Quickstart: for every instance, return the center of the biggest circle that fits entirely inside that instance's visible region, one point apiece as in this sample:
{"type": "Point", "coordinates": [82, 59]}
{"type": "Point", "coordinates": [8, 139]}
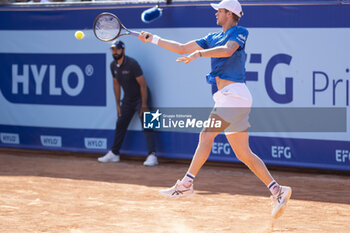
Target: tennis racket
{"type": "Point", "coordinates": [107, 27]}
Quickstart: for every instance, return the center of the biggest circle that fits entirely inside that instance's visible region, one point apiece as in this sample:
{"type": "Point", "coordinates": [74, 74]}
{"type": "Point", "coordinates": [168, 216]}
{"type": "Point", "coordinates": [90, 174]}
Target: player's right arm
{"type": "Point", "coordinates": [177, 47]}
{"type": "Point", "coordinates": [116, 89]}
{"type": "Point", "coordinates": [171, 45]}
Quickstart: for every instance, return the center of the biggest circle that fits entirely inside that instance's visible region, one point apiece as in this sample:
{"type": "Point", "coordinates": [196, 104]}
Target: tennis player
{"type": "Point", "coordinates": [232, 100]}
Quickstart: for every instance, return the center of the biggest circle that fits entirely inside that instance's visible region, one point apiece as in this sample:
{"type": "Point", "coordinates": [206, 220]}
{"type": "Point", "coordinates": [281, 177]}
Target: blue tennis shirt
{"type": "Point", "coordinates": [229, 68]}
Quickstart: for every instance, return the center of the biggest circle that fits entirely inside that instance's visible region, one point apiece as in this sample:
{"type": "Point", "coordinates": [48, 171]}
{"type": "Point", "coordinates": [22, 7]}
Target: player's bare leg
{"type": "Point", "coordinates": [240, 145]}
{"type": "Point", "coordinates": [280, 194]}
{"type": "Point", "coordinates": [206, 138]}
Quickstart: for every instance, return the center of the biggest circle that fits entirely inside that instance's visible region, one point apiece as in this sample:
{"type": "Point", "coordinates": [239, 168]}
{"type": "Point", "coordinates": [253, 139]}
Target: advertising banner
{"type": "Point", "coordinates": [57, 91]}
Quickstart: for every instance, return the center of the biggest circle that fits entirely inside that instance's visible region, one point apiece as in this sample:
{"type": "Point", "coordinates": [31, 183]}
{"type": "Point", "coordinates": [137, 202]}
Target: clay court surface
{"type": "Point", "coordinates": [46, 192]}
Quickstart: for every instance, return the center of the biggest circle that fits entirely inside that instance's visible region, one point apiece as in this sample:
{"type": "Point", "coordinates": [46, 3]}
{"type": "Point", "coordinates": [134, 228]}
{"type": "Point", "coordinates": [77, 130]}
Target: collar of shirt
{"type": "Point", "coordinates": [124, 61]}
{"type": "Point", "coordinates": [230, 29]}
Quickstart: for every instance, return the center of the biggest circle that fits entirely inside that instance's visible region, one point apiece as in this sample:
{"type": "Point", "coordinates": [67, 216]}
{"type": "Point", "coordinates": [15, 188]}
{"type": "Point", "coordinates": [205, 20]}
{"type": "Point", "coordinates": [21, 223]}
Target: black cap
{"type": "Point", "coordinates": [118, 44]}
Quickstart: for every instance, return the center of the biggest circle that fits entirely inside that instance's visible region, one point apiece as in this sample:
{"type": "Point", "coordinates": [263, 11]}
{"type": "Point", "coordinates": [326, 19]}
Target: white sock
{"type": "Point", "coordinates": [274, 187]}
{"type": "Point", "coordinates": [187, 181]}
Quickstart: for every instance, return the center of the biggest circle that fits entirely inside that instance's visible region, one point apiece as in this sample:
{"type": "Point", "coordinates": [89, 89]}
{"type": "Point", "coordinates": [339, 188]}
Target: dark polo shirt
{"type": "Point", "coordinates": [126, 75]}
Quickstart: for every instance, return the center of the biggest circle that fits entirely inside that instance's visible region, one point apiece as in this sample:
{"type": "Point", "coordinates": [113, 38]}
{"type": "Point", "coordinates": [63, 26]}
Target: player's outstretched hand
{"type": "Point", "coordinates": [146, 36]}
{"type": "Point", "coordinates": [189, 58]}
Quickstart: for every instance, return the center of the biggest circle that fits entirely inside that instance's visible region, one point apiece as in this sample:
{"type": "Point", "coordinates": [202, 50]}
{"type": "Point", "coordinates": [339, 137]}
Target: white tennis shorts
{"type": "Point", "coordinates": [233, 104]}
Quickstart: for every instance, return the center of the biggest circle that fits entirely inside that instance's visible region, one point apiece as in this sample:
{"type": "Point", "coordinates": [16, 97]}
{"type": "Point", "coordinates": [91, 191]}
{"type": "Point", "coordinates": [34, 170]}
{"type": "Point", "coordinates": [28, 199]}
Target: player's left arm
{"type": "Point", "coordinates": [220, 51]}
{"type": "Point", "coordinates": [143, 90]}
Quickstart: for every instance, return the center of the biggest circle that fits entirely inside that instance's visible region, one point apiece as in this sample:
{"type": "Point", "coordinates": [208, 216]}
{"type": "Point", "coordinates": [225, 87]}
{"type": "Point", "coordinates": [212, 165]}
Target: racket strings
{"type": "Point", "coordinates": [107, 27]}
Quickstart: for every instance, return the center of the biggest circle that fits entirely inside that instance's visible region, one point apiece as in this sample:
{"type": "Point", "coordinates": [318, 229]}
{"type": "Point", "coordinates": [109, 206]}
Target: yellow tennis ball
{"type": "Point", "coordinates": [79, 35]}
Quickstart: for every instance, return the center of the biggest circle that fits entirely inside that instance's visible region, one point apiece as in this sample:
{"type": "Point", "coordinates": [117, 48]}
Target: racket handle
{"type": "Point", "coordinates": [133, 33]}
{"type": "Point", "coordinates": [137, 34]}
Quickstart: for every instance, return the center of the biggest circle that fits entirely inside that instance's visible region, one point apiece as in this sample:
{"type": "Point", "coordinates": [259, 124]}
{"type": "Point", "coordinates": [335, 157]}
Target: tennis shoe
{"type": "Point", "coordinates": [109, 157]}
{"type": "Point", "coordinates": [151, 160]}
{"type": "Point", "coordinates": [177, 191]}
{"type": "Point", "coordinates": [280, 201]}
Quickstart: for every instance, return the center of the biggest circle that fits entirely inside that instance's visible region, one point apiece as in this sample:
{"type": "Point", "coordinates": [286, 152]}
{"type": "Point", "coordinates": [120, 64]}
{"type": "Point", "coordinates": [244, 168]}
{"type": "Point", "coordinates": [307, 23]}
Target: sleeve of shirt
{"type": "Point", "coordinates": [204, 42]}
{"type": "Point", "coordinates": [137, 69]}
{"type": "Point", "coordinates": [240, 36]}
{"type": "Point", "coordinates": [111, 68]}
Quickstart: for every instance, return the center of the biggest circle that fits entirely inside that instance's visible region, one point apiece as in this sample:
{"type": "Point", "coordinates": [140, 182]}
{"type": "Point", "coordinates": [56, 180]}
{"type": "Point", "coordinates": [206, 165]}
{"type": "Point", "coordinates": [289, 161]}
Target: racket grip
{"type": "Point", "coordinates": [133, 33]}
{"type": "Point", "coordinates": [137, 34]}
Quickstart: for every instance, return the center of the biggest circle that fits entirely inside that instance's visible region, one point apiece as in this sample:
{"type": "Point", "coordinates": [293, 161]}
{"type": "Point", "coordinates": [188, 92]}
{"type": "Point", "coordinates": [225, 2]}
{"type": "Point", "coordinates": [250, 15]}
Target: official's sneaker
{"type": "Point", "coordinates": [151, 160]}
{"type": "Point", "coordinates": [280, 201]}
{"type": "Point", "coordinates": [109, 157]}
{"type": "Point", "coordinates": [177, 191]}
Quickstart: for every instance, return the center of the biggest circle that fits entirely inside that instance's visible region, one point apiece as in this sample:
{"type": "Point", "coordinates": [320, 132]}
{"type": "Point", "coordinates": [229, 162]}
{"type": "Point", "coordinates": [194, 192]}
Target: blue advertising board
{"type": "Point", "coordinates": [57, 91]}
